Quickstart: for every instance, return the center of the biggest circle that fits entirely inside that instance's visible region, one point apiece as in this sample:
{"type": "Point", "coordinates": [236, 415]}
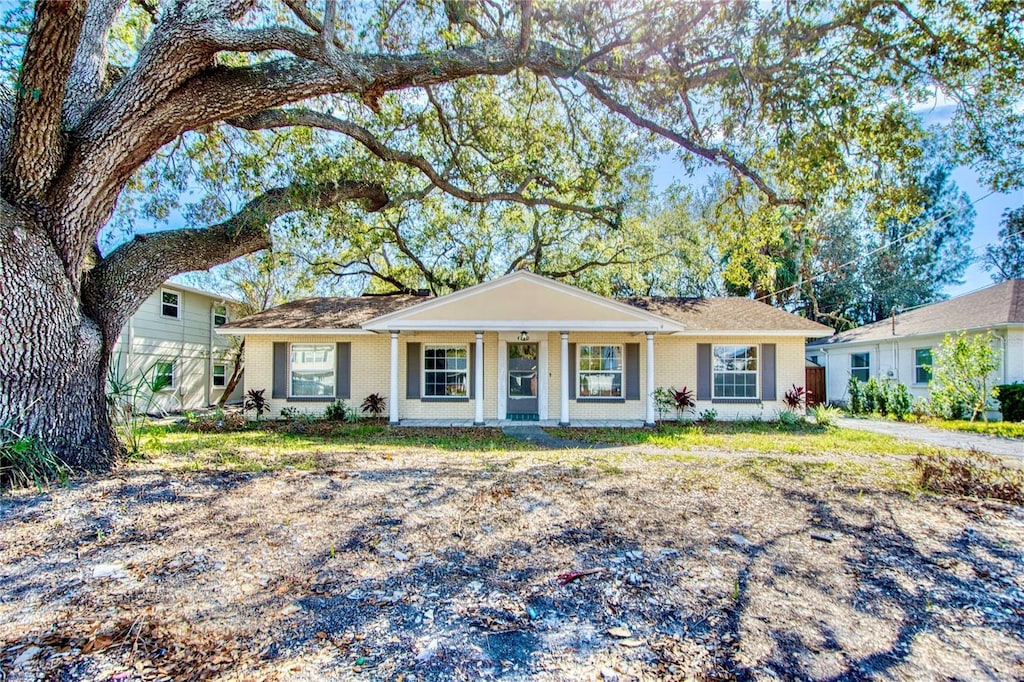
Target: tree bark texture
{"type": "Point", "coordinates": [53, 357]}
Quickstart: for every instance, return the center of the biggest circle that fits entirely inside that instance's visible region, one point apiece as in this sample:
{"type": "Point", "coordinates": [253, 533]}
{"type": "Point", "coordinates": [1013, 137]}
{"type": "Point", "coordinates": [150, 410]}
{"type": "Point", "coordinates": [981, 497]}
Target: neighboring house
{"type": "Point", "coordinates": [900, 348]}
{"type": "Point", "coordinates": [171, 339]}
{"type": "Point", "coordinates": [524, 347]}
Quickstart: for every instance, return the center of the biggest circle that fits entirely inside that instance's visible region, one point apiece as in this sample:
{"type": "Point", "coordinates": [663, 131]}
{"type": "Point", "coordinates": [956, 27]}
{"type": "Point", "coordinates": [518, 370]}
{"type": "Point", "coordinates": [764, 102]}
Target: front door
{"type": "Point", "coordinates": [522, 382]}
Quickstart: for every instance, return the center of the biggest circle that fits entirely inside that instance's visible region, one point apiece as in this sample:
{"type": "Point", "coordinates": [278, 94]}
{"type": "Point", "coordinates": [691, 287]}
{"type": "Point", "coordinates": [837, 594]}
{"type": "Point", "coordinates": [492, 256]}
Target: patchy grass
{"type": "Point", "coordinates": [756, 437]}
{"type": "Point", "coordinates": [1002, 429]}
{"type": "Point", "coordinates": [270, 447]}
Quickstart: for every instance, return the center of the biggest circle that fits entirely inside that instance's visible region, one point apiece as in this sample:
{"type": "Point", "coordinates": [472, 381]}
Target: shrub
{"type": "Point", "coordinates": [671, 400]}
{"type": "Point", "coordinates": [795, 398]}
{"type": "Point", "coordinates": [856, 392]}
{"type": "Point", "coordinates": [1011, 401]}
{"type": "Point", "coordinates": [708, 416]}
{"type": "Point", "coordinates": [900, 401]}
{"type": "Point", "coordinates": [789, 418]}
{"type": "Point", "coordinates": [961, 368]}
{"type": "Point", "coordinates": [976, 474]}
{"type": "Point", "coordinates": [826, 415]}
{"type": "Point", "coordinates": [339, 411]}
{"type": "Point", "coordinates": [375, 404]}
{"type": "Point", "coordinates": [256, 402]}
{"type": "Point", "coordinates": [876, 397]}
{"type": "Point", "coordinates": [289, 413]}
{"type": "Point", "coordinates": [919, 408]}
{"type": "Point", "coordinates": [26, 461]}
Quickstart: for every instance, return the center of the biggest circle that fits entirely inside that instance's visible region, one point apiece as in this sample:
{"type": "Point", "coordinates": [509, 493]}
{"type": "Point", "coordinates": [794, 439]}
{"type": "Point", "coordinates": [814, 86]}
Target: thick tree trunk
{"type": "Point", "coordinates": [53, 358]}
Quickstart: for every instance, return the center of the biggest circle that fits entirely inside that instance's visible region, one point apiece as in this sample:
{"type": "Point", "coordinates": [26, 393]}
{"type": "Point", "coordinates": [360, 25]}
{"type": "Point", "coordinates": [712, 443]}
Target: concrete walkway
{"type": "Point", "coordinates": [1003, 447]}
{"type": "Point", "coordinates": [534, 435]}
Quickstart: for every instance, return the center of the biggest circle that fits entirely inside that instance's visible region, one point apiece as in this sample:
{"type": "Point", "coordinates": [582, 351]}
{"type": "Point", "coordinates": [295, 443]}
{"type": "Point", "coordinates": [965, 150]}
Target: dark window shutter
{"type": "Point", "coordinates": [471, 378]}
{"type": "Point", "coordinates": [572, 371]}
{"type": "Point", "coordinates": [412, 370]}
{"type": "Point", "coordinates": [703, 371]}
{"type": "Point", "coordinates": [632, 371]}
{"type": "Point", "coordinates": [343, 377]}
{"type": "Point", "coordinates": [767, 371]}
{"type": "Point", "coordinates": [280, 388]}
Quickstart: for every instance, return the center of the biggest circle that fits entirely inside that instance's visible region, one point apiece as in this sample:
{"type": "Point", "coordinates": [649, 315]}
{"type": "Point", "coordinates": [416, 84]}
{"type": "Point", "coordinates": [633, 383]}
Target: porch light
{"type": "Point", "coordinates": [524, 336]}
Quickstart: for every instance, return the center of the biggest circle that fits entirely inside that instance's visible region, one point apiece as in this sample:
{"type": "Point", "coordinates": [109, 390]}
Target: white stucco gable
{"type": "Point", "coordinates": [522, 300]}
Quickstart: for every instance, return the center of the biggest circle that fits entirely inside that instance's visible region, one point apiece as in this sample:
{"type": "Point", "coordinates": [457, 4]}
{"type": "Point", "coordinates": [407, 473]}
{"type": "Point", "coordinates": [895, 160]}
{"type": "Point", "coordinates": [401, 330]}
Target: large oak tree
{"type": "Point", "coordinates": [794, 99]}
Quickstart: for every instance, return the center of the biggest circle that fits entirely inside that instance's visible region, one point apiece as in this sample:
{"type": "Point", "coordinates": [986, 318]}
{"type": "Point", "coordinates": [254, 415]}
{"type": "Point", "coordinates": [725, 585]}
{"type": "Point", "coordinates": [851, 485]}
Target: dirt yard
{"type": "Point", "coordinates": [421, 564]}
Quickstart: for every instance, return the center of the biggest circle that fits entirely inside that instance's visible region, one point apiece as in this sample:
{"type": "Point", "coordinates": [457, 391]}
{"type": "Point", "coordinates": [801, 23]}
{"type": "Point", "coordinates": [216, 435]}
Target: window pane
{"type": "Point", "coordinates": [163, 375]}
{"type": "Point", "coordinates": [220, 316]}
{"type": "Point", "coordinates": [312, 369]}
{"type": "Point", "coordinates": [219, 376]}
{"type": "Point", "coordinates": [734, 372]}
{"type": "Point", "coordinates": [923, 365]}
{"type": "Point", "coordinates": [445, 371]}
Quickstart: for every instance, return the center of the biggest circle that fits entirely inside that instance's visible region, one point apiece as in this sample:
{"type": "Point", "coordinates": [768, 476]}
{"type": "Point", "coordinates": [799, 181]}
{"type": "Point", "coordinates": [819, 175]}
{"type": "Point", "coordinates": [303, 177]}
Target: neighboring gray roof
{"type": "Point", "coordinates": [725, 314]}
{"type": "Point", "coordinates": [996, 305]}
{"type": "Point", "coordinates": [695, 314]}
{"type": "Point", "coordinates": [325, 313]}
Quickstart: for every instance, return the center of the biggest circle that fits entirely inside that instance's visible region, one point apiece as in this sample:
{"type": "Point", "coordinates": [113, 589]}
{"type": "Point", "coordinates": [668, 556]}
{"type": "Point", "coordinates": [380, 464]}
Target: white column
{"type": "Point", "coordinates": [650, 379]}
{"type": "Point", "coordinates": [563, 414]}
{"type": "Point", "coordinates": [478, 380]}
{"type": "Point", "coordinates": [393, 398]}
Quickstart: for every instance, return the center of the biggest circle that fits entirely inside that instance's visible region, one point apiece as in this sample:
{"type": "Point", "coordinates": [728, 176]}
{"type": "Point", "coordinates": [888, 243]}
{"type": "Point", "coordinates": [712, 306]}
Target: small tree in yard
{"type": "Point", "coordinates": [961, 370]}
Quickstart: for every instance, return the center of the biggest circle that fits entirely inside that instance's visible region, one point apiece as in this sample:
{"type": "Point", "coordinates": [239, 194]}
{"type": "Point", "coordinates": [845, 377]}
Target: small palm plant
{"type": "Point", "coordinates": [374, 404]}
{"type": "Point", "coordinates": [256, 402]}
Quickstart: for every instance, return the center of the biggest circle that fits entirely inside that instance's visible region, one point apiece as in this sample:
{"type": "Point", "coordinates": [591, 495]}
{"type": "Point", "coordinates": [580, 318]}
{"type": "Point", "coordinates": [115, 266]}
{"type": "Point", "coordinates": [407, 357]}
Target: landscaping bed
{"type": "Point", "coordinates": [381, 561]}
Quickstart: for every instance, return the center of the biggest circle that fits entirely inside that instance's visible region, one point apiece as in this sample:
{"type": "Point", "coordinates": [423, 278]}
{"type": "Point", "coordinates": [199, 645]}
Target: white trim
{"type": "Point", "coordinates": [750, 332]}
{"type": "Point", "coordinates": [621, 371]}
{"type": "Point", "coordinates": [914, 351]}
{"type": "Point", "coordinates": [478, 379]}
{"type": "Point", "coordinates": [334, 369]}
{"type": "Point", "coordinates": [227, 330]}
{"type": "Point", "coordinates": [213, 317]}
{"type": "Point", "coordinates": [393, 416]}
{"type": "Point", "coordinates": [563, 398]}
{"type": "Point", "coordinates": [994, 328]}
{"type": "Point", "coordinates": [868, 367]}
{"type": "Point", "coordinates": [385, 322]}
{"type": "Point", "coordinates": [177, 306]}
{"type": "Point", "coordinates": [502, 378]}
{"type": "Point", "coordinates": [756, 372]}
{"type": "Point", "coordinates": [649, 403]}
{"type": "Point", "coordinates": [201, 292]}
{"type": "Point", "coordinates": [542, 378]}
{"type": "Point", "coordinates": [174, 374]}
{"type": "Point", "coordinates": [423, 371]}
{"type": "Point", "coordinates": [511, 325]}
{"type": "Point", "coordinates": [213, 376]}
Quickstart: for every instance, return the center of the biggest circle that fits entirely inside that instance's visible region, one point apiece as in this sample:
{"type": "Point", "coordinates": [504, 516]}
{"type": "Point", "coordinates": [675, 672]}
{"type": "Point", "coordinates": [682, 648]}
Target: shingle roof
{"type": "Point", "coordinates": [999, 304]}
{"type": "Point", "coordinates": [727, 314]}
{"type": "Point", "coordinates": [325, 313]}
{"type": "Point", "coordinates": [696, 314]}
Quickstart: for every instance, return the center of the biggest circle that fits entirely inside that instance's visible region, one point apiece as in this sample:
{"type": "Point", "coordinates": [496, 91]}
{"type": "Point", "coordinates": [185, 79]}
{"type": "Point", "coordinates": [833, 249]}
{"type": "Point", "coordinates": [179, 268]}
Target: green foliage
{"type": "Point", "coordinates": [961, 371]}
{"type": "Point", "coordinates": [708, 416]}
{"type": "Point", "coordinates": [339, 411]}
{"type": "Point", "coordinates": [1011, 401]}
{"type": "Point", "coordinates": [26, 461]}
{"type": "Point", "coordinates": [874, 396]}
{"type": "Point", "coordinates": [788, 417]}
{"type": "Point", "coordinates": [256, 402]}
{"type": "Point", "coordinates": [920, 408]}
{"type": "Point", "coordinates": [976, 474]}
{"type": "Point", "coordinates": [130, 398]}
{"type": "Point", "coordinates": [1005, 260]}
{"type": "Point", "coordinates": [856, 396]}
{"type": "Point", "coordinates": [900, 401]}
{"type": "Point", "coordinates": [826, 415]}
{"type": "Point", "coordinates": [289, 413]}
{"type": "Point", "coordinates": [375, 404]}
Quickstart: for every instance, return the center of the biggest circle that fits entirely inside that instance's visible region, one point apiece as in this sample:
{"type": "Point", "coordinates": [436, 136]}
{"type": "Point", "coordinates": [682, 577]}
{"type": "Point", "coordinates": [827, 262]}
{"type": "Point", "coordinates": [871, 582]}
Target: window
{"type": "Point", "coordinates": [163, 375]}
{"type": "Point", "coordinates": [220, 315]}
{"type": "Point", "coordinates": [600, 372]}
{"type": "Point", "coordinates": [922, 365]}
{"type": "Point", "coordinates": [814, 359]}
{"type": "Point", "coordinates": [220, 376]}
{"type": "Point", "coordinates": [312, 370]}
{"type": "Point", "coordinates": [445, 371]}
{"type": "Point", "coordinates": [170, 301]}
{"type": "Point", "coordinates": [734, 370]}
{"type": "Point", "coordinates": [860, 366]}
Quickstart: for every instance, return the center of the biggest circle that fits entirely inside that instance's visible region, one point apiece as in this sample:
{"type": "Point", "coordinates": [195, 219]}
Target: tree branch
{"type": "Point", "coordinates": [89, 68]}
{"type": "Point", "coordinates": [122, 280]}
{"type": "Point", "coordinates": [36, 148]}
{"type": "Point", "coordinates": [280, 118]}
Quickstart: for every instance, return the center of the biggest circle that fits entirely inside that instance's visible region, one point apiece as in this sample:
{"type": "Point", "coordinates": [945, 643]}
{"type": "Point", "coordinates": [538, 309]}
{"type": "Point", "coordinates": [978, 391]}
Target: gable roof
{"type": "Point", "coordinates": [999, 304]}
{"type": "Point", "coordinates": [523, 300]}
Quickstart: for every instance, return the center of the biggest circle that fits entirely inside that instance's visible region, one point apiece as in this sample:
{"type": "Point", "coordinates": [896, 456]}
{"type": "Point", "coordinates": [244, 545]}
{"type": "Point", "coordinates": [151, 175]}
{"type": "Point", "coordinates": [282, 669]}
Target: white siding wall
{"type": "Point", "coordinates": [898, 356]}
{"type": "Point", "coordinates": [188, 342]}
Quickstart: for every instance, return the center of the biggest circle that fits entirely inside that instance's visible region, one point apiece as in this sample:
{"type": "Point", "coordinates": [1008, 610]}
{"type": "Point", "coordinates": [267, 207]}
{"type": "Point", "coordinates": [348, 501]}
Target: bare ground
{"type": "Point", "coordinates": [429, 565]}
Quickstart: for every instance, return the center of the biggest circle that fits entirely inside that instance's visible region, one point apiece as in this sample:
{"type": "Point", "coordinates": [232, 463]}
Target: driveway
{"type": "Point", "coordinates": [1003, 447]}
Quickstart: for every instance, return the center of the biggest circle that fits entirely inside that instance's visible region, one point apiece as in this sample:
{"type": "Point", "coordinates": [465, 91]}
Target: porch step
{"type": "Point", "coordinates": [524, 417]}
